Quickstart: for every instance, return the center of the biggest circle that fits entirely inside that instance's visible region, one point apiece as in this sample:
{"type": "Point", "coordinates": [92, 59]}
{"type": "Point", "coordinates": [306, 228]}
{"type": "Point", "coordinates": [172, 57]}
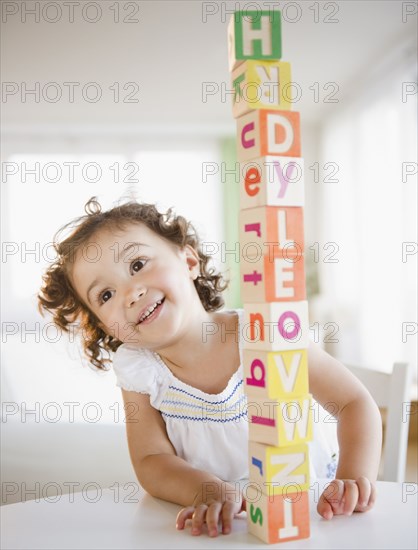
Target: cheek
{"type": "Point", "coordinates": [164, 278]}
{"type": "Point", "coordinates": [110, 321]}
{"type": "Point", "coordinates": [177, 282]}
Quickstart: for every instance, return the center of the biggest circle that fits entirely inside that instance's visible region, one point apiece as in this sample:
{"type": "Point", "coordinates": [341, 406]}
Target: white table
{"type": "Point", "coordinates": [140, 521]}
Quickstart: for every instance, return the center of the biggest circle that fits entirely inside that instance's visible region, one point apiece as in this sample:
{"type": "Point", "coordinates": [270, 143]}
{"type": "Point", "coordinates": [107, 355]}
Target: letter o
{"type": "Point", "coordinates": [289, 334]}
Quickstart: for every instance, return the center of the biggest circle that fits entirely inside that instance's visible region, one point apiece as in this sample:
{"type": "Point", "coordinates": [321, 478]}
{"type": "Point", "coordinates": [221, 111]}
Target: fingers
{"type": "Point", "coordinates": [212, 518]}
{"type": "Point", "coordinates": [347, 496]}
{"type": "Point", "coordinates": [209, 514]}
{"type": "Point", "coordinates": [199, 515]}
{"type": "Point", "coordinates": [367, 495]}
{"type": "Point", "coordinates": [227, 516]}
{"type": "Point", "coordinates": [330, 502]}
{"type": "Point", "coordinates": [324, 508]}
{"type": "Point", "coordinates": [350, 498]}
{"type": "Point", "coordinates": [183, 515]}
{"type": "Point", "coordinates": [198, 518]}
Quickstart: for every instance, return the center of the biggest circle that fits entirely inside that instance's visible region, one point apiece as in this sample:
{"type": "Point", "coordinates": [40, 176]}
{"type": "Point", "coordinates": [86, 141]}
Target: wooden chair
{"type": "Point", "coordinates": [392, 392]}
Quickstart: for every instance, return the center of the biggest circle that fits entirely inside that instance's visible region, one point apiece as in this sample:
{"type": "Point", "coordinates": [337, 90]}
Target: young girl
{"type": "Point", "coordinates": [138, 284]}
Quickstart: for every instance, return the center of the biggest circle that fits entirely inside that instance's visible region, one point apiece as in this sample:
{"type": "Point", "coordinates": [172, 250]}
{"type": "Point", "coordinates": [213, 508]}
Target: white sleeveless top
{"type": "Point", "coordinates": [209, 431]}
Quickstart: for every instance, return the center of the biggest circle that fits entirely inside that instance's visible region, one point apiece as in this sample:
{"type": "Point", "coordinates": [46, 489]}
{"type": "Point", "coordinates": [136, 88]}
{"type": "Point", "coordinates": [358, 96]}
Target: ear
{"type": "Point", "coordinates": [192, 259]}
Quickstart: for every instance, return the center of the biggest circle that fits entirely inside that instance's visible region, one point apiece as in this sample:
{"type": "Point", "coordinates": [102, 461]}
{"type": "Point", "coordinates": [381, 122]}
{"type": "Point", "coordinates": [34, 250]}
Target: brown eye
{"type": "Point", "coordinates": [107, 293]}
{"type": "Point", "coordinates": [100, 298]}
{"type": "Point", "coordinates": [137, 265]}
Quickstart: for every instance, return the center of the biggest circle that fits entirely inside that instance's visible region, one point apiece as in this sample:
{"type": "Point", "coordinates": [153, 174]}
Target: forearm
{"type": "Point", "coordinates": [360, 439]}
{"type": "Point", "coordinates": [171, 478]}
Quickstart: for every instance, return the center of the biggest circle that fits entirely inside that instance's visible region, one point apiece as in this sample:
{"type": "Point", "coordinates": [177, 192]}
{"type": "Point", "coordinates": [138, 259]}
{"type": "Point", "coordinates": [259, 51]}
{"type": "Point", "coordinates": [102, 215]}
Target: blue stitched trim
{"type": "Point", "coordinates": [183, 417]}
{"type": "Point", "coordinates": [199, 407]}
{"type": "Point", "coordinates": [182, 403]}
{"type": "Point", "coordinates": [205, 400]}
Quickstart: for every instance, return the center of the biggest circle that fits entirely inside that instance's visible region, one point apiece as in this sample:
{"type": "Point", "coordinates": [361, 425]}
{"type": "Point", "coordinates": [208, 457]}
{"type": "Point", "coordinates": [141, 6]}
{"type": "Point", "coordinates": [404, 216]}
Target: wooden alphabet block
{"type": "Point", "coordinates": [281, 228]}
{"type": "Point", "coordinates": [275, 375]}
{"type": "Point", "coordinates": [272, 181]}
{"type": "Point", "coordinates": [276, 326]}
{"type": "Point", "coordinates": [272, 279]}
{"type": "Point", "coordinates": [268, 132]}
{"type": "Point", "coordinates": [280, 422]}
{"type": "Point", "coordinates": [254, 35]}
{"type": "Point", "coordinates": [261, 85]}
{"type": "Point", "coordinates": [278, 518]}
{"type": "Point", "coordinates": [277, 470]}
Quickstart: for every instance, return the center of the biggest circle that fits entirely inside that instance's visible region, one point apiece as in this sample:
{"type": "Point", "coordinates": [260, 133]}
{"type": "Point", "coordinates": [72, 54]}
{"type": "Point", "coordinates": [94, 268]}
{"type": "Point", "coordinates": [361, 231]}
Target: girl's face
{"type": "Point", "coordinates": [139, 285]}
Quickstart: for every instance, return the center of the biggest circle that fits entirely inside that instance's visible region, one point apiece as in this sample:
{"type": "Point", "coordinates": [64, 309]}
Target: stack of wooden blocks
{"type": "Point", "coordinates": [272, 279]}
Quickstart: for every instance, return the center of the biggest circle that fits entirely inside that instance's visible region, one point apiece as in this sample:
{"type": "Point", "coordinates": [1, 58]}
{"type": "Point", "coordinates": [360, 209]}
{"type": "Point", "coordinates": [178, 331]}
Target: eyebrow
{"type": "Point", "coordinates": [127, 248]}
{"type": "Point", "coordinates": [121, 254]}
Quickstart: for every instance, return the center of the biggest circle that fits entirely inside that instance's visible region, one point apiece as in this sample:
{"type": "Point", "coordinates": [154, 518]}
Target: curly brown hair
{"type": "Point", "coordinates": [58, 296]}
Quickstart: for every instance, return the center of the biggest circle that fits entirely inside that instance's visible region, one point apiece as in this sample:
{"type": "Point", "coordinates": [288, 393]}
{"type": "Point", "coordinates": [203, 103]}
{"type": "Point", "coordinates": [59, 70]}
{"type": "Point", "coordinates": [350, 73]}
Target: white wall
{"type": "Point", "coordinates": [371, 214]}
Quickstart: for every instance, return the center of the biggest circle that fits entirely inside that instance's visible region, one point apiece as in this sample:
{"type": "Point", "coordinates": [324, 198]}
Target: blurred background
{"type": "Point", "coordinates": [133, 99]}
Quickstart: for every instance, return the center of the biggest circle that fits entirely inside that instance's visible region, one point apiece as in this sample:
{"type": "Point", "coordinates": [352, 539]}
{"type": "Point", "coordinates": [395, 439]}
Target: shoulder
{"type": "Point", "coordinates": [237, 326]}
{"type": "Point", "coordinates": [127, 357]}
{"type": "Point", "coordinates": [138, 369]}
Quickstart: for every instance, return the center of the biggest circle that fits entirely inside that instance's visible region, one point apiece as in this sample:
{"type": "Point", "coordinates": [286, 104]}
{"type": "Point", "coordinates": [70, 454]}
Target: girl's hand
{"type": "Point", "coordinates": [211, 511]}
{"type": "Point", "coordinates": [345, 496]}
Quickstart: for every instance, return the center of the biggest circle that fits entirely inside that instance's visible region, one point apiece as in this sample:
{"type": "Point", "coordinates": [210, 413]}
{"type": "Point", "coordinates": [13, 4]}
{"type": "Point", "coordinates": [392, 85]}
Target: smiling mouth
{"type": "Point", "coordinates": [151, 312]}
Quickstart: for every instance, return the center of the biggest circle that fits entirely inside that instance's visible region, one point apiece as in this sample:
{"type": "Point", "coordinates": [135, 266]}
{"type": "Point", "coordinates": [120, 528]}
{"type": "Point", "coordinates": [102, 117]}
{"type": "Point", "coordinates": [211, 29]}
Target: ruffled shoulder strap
{"type": "Point", "coordinates": [137, 369]}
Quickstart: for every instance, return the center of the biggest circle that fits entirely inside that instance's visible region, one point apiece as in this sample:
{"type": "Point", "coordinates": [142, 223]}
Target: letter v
{"type": "Point", "coordinates": [288, 379]}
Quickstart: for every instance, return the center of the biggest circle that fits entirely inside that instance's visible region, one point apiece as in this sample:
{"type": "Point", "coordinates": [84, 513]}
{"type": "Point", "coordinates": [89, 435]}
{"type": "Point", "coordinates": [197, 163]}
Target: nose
{"type": "Point", "coordinates": [133, 294]}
